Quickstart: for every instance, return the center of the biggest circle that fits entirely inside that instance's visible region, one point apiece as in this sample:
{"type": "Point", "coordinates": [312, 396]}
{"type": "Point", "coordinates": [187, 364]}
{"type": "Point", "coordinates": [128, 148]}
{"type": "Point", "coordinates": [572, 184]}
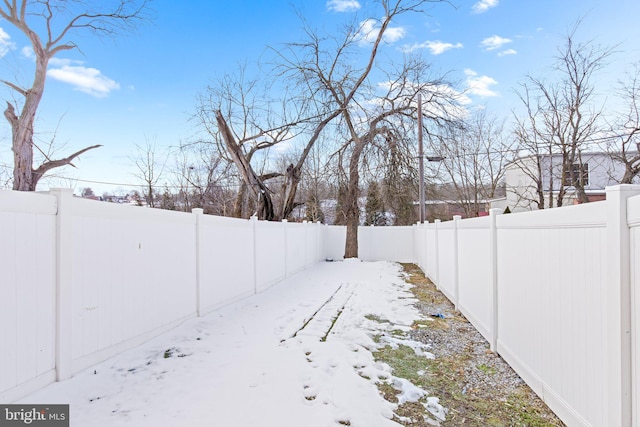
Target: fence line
{"type": "Point", "coordinates": [84, 280]}
{"type": "Point", "coordinates": [554, 293]}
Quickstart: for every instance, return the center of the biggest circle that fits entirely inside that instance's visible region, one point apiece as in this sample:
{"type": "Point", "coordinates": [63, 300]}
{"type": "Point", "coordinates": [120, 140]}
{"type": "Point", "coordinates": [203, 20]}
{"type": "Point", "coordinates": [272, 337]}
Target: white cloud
{"type": "Point", "coordinates": [456, 109]}
{"type": "Point", "coordinates": [494, 42]}
{"type": "Point", "coordinates": [343, 5]}
{"type": "Point", "coordinates": [61, 62]}
{"type": "Point", "coordinates": [479, 85]}
{"type": "Point", "coordinates": [84, 79]}
{"type": "Point", "coordinates": [369, 31]}
{"type": "Point", "coordinates": [507, 52]}
{"type": "Point", "coordinates": [435, 47]}
{"type": "Point", "coordinates": [27, 52]}
{"type": "Point", "coordinates": [484, 5]}
{"type": "Point", "coordinates": [6, 44]}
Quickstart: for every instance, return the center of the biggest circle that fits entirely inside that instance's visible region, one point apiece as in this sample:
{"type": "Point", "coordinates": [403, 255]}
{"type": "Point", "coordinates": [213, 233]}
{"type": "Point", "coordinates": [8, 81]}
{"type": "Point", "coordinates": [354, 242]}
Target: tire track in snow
{"type": "Point", "coordinates": [321, 322]}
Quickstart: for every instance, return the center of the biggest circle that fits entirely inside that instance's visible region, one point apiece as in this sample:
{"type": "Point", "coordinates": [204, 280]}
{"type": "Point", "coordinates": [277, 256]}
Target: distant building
{"type": "Point", "coordinates": [596, 170]}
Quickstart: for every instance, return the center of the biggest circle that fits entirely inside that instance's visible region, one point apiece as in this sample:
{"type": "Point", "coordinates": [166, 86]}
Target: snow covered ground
{"type": "Point", "coordinates": [298, 354]}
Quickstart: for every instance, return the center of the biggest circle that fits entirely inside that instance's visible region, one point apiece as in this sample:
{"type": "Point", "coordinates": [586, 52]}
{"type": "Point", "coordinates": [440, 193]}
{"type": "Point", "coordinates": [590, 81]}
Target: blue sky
{"type": "Point", "coordinates": [144, 85]}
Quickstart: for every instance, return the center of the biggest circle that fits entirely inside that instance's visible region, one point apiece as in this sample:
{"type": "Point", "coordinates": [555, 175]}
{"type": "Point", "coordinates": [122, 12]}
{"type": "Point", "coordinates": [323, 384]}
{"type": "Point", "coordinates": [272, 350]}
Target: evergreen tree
{"type": "Point", "coordinates": [168, 200]}
{"type": "Point", "coordinates": [341, 216]}
{"type": "Point", "coordinates": [374, 208]}
{"type": "Point", "coordinates": [398, 196]}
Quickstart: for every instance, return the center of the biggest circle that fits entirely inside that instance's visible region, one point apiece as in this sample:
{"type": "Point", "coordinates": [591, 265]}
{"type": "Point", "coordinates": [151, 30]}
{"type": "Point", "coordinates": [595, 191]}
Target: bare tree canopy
{"type": "Point", "coordinates": [473, 159]}
{"type": "Point", "coordinates": [625, 148]}
{"type": "Point", "coordinates": [563, 118]}
{"type": "Point", "coordinates": [50, 26]}
{"type": "Point", "coordinates": [369, 117]}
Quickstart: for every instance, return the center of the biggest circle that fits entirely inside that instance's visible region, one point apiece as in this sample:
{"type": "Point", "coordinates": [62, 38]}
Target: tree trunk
{"type": "Point", "coordinates": [629, 174]}
{"type": "Point", "coordinates": [290, 187]}
{"type": "Point", "coordinates": [22, 147]}
{"type": "Point", "coordinates": [25, 177]}
{"type": "Point", "coordinates": [22, 126]}
{"type": "Point", "coordinates": [352, 209]}
{"type": "Point", "coordinates": [238, 205]}
{"type": "Point", "coordinates": [260, 191]}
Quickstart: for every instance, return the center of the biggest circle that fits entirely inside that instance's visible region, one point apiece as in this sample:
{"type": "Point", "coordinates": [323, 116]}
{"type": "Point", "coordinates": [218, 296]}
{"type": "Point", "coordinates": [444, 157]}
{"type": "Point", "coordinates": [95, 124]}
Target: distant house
{"type": "Point", "coordinates": [522, 177]}
{"type": "Point", "coordinates": [447, 209]}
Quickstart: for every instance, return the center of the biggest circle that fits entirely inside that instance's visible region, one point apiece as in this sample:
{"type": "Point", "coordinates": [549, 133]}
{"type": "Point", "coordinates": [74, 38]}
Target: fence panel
{"type": "Point", "coordinates": [386, 243]}
{"type": "Point", "coordinates": [28, 302]}
{"type": "Point", "coordinates": [226, 261]}
{"type": "Point", "coordinates": [296, 235]}
{"type": "Point", "coordinates": [419, 246]}
{"type": "Point", "coordinates": [133, 275]}
{"type": "Point", "coordinates": [431, 252]}
{"type": "Point", "coordinates": [313, 243]}
{"type": "Point", "coordinates": [552, 283]}
{"type": "Point", "coordinates": [270, 253]}
{"type": "Point", "coordinates": [633, 219]}
{"type": "Point", "coordinates": [335, 236]}
{"type": "Point", "coordinates": [447, 259]}
{"type": "Point", "coordinates": [474, 273]}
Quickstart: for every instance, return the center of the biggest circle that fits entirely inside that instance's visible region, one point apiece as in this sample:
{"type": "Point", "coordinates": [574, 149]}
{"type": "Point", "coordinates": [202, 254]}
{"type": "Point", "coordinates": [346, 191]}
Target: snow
{"type": "Point", "coordinates": [299, 353]}
{"type": "Point", "coordinates": [434, 407]}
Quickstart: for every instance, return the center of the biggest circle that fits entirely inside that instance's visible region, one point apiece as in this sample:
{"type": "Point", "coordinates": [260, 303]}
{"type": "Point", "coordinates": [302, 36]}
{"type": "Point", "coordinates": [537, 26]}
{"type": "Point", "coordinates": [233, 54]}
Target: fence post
{"type": "Point", "coordinates": [284, 234]}
{"type": "Point", "coordinates": [306, 242]}
{"type": "Point", "coordinates": [618, 306]}
{"type": "Point", "coordinates": [436, 273]}
{"type": "Point", "coordinates": [320, 240]}
{"type": "Point", "coordinates": [199, 213]}
{"type": "Point", "coordinates": [493, 267]}
{"type": "Point", "coordinates": [456, 291]}
{"type": "Point", "coordinates": [64, 288]}
{"type": "Point", "coordinates": [254, 223]}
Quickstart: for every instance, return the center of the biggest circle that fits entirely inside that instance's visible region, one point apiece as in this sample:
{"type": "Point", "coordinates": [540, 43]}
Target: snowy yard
{"type": "Point", "coordinates": [298, 354]}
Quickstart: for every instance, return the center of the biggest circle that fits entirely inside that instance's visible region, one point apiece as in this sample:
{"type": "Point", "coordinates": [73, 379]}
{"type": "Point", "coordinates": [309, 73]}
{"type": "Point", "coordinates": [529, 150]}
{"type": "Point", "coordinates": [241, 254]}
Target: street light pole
{"type": "Point", "coordinates": [421, 159]}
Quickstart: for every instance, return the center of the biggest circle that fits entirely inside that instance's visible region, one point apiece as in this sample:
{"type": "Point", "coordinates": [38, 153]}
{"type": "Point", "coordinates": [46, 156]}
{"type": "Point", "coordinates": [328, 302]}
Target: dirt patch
{"type": "Point", "coordinates": [475, 386]}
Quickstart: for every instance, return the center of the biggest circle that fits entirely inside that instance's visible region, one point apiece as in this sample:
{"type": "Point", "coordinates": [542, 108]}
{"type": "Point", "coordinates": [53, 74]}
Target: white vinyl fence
{"type": "Point", "coordinates": [82, 280]}
{"type": "Point", "coordinates": [553, 291]}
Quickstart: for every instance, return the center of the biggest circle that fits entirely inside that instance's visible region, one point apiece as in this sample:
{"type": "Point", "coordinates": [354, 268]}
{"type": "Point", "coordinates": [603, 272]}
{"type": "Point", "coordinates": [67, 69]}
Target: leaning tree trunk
{"type": "Point", "coordinates": [290, 186]}
{"type": "Point", "coordinates": [251, 179]}
{"type": "Point", "coordinates": [238, 204]}
{"type": "Point", "coordinates": [294, 175]}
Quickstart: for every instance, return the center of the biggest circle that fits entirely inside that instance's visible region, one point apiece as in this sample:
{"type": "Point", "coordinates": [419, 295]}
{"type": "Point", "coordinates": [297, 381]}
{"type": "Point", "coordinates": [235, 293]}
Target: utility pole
{"type": "Point", "coordinates": [421, 159]}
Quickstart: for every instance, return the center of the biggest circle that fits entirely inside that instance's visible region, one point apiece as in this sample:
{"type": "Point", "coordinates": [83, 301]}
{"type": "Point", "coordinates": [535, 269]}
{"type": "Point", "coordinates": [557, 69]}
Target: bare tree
{"type": "Point", "coordinates": [329, 68]}
{"type": "Point", "coordinates": [563, 118]}
{"type": "Point", "coordinates": [49, 26]}
{"type": "Point", "coordinates": [625, 147]}
{"type": "Point", "coordinates": [244, 123]}
{"type": "Point", "coordinates": [202, 179]}
{"type": "Point", "coordinates": [474, 157]}
{"type": "Point", "coordinates": [149, 168]}
{"type": "Point", "coordinates": [530, 141]}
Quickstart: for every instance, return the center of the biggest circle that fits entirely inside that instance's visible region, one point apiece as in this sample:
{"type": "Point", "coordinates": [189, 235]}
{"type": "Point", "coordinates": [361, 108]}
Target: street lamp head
{"type": "Point", "coordinates": [435, 158]}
